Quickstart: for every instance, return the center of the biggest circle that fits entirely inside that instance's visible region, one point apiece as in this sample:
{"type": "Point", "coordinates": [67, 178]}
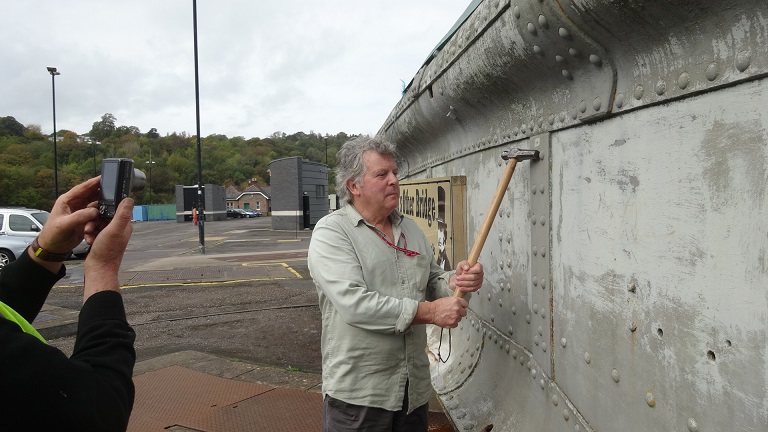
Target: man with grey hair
{"type": "Point", "coordinates": [378, 286]}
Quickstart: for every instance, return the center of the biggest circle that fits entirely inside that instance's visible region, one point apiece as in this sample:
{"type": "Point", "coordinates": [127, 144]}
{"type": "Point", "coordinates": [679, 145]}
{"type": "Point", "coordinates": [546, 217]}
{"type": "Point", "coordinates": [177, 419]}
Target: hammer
{"type": "Point", "coordinates": [513, 156]}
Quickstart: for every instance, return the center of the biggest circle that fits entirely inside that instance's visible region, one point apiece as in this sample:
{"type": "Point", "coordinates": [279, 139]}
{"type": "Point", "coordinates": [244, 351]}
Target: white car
{"type": "Point", "coordinates": [26, 223]}
{"type": "Point", "coordinates": [11, 248]}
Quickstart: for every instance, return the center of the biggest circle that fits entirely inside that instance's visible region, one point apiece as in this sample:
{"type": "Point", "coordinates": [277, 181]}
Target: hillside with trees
{"type": "Point", "coordinates": [26, 158]}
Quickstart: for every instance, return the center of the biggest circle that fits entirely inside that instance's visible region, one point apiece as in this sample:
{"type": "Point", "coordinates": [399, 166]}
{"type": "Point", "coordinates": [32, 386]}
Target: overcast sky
{"type": "Point", "coordinates": [265, 65]}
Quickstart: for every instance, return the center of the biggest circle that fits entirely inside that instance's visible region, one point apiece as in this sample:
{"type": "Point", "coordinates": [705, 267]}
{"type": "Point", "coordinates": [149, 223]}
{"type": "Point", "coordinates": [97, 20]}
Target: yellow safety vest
{"type": "Point", "coordinates": [11, 315]}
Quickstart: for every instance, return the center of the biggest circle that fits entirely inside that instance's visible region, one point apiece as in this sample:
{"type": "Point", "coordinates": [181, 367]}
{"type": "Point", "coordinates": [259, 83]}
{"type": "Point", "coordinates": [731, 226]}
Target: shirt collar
{"type": "Point", "coordinates": [355, 218]}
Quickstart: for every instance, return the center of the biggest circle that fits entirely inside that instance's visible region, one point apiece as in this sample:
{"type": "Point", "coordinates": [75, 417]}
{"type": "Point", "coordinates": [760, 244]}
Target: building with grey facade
{"type": "Point", "coordinates": [299, 193]}
{"type": "Point", "coordinates": [214, 200]}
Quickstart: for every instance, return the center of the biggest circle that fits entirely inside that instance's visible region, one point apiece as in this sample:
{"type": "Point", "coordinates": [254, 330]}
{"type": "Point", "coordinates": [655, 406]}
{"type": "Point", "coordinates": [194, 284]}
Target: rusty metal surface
{"type": "Point", "coordinates": [277, 410]}
{"type": "Point", "coordinates": [174, 395]}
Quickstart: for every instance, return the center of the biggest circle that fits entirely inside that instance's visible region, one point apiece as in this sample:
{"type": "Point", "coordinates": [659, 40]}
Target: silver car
{"type": "Point", "coordinates": [11, 248]}
{"type": "Point", "coordinates": [26, 223]}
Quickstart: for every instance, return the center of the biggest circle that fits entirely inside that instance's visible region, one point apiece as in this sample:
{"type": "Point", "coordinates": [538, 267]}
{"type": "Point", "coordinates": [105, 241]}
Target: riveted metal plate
{"type": "Point", "coordinates": [465, 347]}
{"type": "Point", "coordinates": [541, 261]}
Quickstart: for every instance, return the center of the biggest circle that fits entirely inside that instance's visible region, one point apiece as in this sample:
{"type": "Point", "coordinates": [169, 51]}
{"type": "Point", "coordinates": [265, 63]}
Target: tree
{"type": "Point", "coordinates": [153, 134]}
{"type": "Point", "coordinates": [104, 128]}
{"type": "Point", "coordinates": [9, 126]}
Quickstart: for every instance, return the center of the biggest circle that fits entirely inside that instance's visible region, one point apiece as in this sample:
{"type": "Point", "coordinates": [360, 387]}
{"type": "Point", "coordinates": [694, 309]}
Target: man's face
{"type": "Point", "coordinates": [441, 239]}
{"type": "Point", "coordinates": [379, 190]}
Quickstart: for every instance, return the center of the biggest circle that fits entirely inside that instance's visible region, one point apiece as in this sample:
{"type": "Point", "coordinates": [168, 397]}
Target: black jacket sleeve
{"type": "Point", "coordinates": [44, 390]}
{"type": "Point", "coordinates": [24, 286]}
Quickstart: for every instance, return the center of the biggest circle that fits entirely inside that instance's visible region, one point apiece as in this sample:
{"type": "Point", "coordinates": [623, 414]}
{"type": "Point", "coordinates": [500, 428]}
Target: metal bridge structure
{"type": "Point", "coordinates": [626, 273]}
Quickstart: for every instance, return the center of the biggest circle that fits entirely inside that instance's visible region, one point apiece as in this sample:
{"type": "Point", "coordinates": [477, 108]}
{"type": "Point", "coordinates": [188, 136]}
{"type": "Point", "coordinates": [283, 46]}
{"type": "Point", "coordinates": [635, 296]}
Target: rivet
{"type": "Point", "coordinates": [595, 60]}
{"type": "Point", "coordinates": [536, 340]}
{"type": "Point", "coordinates": [501, 265]}
{"type": "Point", "coordinates": [500, 305]}
{"type": "Point", "coordinates": [541, 383]}
{"type": "Point", "coordinates": [522, 360]}
{"type": "Point", "coordinates": [587, 358]}
{"type": "Point", "coordinates": [563, 342]}
{"type": "Point", "coordinates": [541, 331]}
{"type": "Point", "coordinates": [537, 49]}
{"type": "Point", "coordinates": [583, 106]}
{"type": "Point", "coordinates": [533, 219]}
{"type": "Point", "coordinates": [632, 326]}
{"type": "Point", "coordinates": [535, 308]}
{"type": "Point", "coordinates": [514, 310]}
{"type": "Point", "coordinates": [470, 426]}
{"type": "Point", "coordinates": [615, 375]}
{"type": "Point", "coordinates": [528, 365]}
{"type": "Point", "coordinates": [493, 318]}
{"type": "Point", "coordinates": [544, 283]}
{"type": "Point", "coordinates": [562, 116]}
{"type": "Point", "coordinates": [528, 319]}
{"type": "Point", "coordinates": [506, 348]}
{"type": "Point", "coordinates": [531, 28]}
{"type": "Point", "coordinates": [495, 339]}
{"type": "Point", "coordinates": [692, 426]}
{"type": "Point", "coordinates": [567, 75]}
{"type": "Point", "coordinates": [477, 347]}
{"type": "Point", "coordinates": [544, 346]}
{"type": "Point", "coordinates": [509, 263]}
{"type": "Point", "coordinates": [509, 329]}
{"type": "Point", "coordinates": [543, 313]}
{"type": "Point", "coordinates": [573, 52]}
{"type": "Point", "coordinates": [661, 87]}
{"type": "Point", "coordinates": [597, 104]}
{"type": "Point", "coordinates": [535, 252]}
{"type": "Point", "coordinates": [683, 80]}
{"type": "Point", "coordinates": [448, 397]}
{"type": "Point", "coordinates": [463, 369]}
{"type": "Point", "coordinates": [516, 11]}
{"type": "Point", "coordinates": [501, 237]}
{"type": "Point", "coordinates": [564, 33]}
{"type": "Point", "coordinates": [560, 59]}
{"type": "Point", "coordinates": [712, 71]}
{"type": "Point", "coordinates": [649, 399]}
{"type": "Point", "coordinates": [743, 59]}
{"type": "Point", "coordinates": [577, 428]}
{"type": "Point", "coordinates": [535, 281]}
{"type": "Point", "coordinates": [489, 296]}
{"type": "Point", "coordinates": [566, 414]}
{"type": "Point", "coordinates": [509, 238]}
{"type": "Point", "coordinates": [639, 91]}
{"type": "Point", "coordinates": [533, 373]}
{"type": "Point", "coordinates": [574, 114]}
{"type": "Point", "coordinates": [514, 354]}
{"type": "Point", "coordinates": [472, 354]}
{"type": "Point", "coordinates": [541, 188]}
{"type": "Point", "coordinates": [555, 400]}
{"type": "Point", "coordinates": [461, 415]}
{"type": "Point", "coordinates": [543, 21]}
{"type": "Point", "coordinates": [543, 252]}
{"type": "Point", "coordinates": [619, 100]}
{"type": "Point", "coordinates": [542, 220]}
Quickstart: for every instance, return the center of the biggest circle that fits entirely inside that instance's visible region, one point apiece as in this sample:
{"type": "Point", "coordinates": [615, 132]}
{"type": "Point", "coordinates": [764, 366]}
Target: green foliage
{"type": "Point", "coordinates": [26, 159]}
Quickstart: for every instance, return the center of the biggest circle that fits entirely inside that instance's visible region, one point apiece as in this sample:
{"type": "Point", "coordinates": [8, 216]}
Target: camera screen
{"type": "Point", "coordinates": [109, 179]}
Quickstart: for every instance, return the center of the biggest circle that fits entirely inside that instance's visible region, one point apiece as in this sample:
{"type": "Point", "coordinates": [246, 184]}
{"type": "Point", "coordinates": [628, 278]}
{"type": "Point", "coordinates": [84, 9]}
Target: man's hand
{"type": "Point", "coordinates": [65, 226]}
{"type": "Point", "coordinates": [445, 312]}
{"type": "Point", "coordinates": [467, 279]}
{"type": "Point", "coordinates": [107, 249]}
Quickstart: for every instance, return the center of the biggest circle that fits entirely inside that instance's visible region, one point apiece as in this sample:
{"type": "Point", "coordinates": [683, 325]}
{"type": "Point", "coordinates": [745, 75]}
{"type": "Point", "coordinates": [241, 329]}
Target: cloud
{"type": "Point", "coordinates": [265, 66]}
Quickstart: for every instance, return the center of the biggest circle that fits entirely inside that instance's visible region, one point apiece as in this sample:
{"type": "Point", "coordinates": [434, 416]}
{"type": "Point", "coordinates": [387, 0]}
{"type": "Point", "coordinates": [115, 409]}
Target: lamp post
{"type": "Point", "coordinates": [93, 146]}
{"type": "Point", "coordinates": [54, 72]}
{"type": "Point", "coordinates": [150, 162]}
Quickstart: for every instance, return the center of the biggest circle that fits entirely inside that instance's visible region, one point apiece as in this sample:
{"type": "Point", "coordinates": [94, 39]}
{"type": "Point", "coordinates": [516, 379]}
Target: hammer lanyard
{"type": "Point", "coordinates": [411, 253]}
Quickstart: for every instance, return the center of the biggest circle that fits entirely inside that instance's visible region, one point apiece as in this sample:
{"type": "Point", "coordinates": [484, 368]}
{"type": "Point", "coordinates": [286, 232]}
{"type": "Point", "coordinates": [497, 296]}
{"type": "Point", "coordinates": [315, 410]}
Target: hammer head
{"type": "Point", "coordinates": [520, 154]}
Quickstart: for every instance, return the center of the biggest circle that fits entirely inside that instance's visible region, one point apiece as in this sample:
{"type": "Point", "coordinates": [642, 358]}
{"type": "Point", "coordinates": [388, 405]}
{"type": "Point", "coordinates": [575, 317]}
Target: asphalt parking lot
{"type": "Point", "coordinates": [248, 298]}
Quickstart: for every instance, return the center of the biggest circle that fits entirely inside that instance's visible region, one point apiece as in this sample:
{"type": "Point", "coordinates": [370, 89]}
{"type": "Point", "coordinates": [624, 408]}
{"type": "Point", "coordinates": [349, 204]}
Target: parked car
{"type": "Point", "coordinates": [252, 213]}
{"type": "Point", "coordinates": [235, 213]}
{"type": "Point", "coordinates": [26, 223]}
{"type": "Point", "coordinates": [11, 248]}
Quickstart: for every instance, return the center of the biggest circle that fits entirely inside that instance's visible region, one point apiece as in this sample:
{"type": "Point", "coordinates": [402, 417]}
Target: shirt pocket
{"type": "Point", "coordinates": [418, 274]}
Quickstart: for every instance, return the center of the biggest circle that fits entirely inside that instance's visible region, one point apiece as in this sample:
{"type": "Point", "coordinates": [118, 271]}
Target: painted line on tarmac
{"type": "Point", "coordinates": [187, 283]}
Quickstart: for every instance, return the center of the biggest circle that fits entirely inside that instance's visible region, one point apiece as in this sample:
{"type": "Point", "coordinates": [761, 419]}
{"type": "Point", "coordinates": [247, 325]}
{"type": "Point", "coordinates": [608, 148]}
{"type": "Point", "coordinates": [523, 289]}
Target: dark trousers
{"type": "Point", "coordinates": [339, 416]}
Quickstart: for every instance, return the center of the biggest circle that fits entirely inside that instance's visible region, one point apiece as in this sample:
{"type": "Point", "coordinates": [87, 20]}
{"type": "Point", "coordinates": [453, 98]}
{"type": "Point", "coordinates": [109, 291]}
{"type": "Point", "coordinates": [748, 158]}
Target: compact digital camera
{"type": "Point", "coordinates": [118, 179]}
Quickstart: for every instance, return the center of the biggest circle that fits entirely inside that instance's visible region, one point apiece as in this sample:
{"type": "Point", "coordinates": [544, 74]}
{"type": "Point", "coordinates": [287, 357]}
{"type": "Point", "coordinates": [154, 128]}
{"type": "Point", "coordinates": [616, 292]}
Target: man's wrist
{"type": "Point", "coordinates": [47, 255]}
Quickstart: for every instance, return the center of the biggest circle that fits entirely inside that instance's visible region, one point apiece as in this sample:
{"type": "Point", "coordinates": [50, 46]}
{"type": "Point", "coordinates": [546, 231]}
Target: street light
{"type": "Point", "coordinates": [54, 72]}
{"type": "Point", "coordinates": [150, 162]}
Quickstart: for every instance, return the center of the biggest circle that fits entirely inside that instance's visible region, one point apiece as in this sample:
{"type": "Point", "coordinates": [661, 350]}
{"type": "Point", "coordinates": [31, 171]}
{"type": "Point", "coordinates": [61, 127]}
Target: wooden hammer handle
{"type": "Point", "coordinates": [501, 190]}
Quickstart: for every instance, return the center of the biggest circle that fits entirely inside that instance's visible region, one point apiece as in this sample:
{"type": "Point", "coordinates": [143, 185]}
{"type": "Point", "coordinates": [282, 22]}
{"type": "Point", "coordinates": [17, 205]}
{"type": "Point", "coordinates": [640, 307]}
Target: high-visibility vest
{"type": "Point", "coordinates": [11, 315]}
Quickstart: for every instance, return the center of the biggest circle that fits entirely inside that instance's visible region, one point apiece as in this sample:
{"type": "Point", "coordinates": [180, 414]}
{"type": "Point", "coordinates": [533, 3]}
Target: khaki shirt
{"type": "Point", "coordinates": [369, 294]}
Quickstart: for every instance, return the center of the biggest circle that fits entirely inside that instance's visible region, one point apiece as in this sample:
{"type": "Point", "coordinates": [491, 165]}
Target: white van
{"type": "Point", "coordinates": [27, 223]}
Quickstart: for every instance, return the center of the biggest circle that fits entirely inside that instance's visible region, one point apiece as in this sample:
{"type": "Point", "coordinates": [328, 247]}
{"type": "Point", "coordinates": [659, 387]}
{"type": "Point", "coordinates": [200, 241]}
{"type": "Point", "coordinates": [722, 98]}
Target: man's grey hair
{"type": "Point", "coordinates": [350, 164]}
